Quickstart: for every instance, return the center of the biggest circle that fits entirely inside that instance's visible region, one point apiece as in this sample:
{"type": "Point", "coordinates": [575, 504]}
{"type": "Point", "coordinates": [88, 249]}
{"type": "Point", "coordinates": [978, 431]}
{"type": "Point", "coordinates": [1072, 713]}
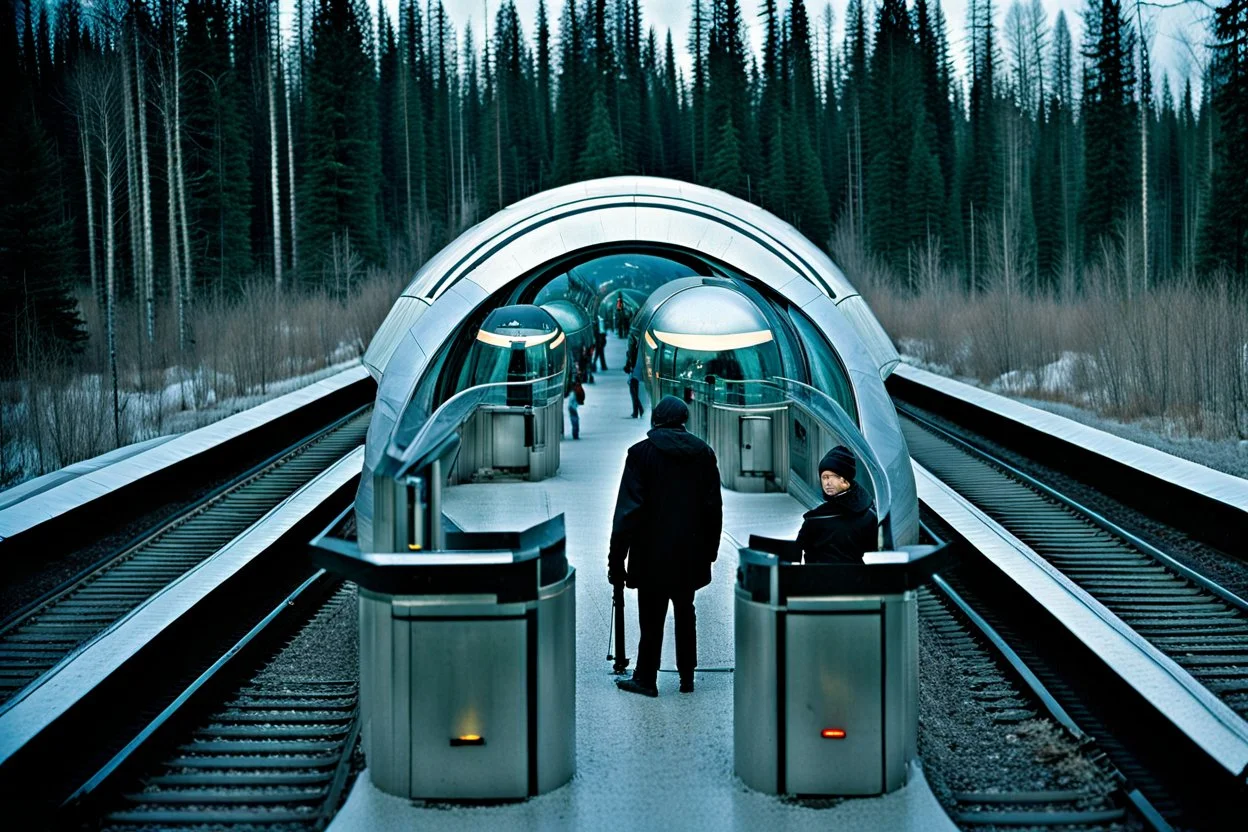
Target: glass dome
{"type": "Point", "coordinates": [515, 343]}
{"type": "Point", "coordinates": [710, 335]}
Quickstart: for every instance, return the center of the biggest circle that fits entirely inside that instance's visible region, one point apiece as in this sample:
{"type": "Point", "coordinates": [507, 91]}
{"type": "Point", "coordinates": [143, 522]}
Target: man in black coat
{"type": "Point", "coordinates": [844, 526]}
{"type": "Point", "coordinates": [667, 522]}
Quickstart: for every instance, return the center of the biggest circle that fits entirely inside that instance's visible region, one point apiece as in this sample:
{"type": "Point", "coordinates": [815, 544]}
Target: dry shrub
{"type": "Point", "coordinates": [1174, 354]}
{"type": "Point", "coordinates": [59, 409]}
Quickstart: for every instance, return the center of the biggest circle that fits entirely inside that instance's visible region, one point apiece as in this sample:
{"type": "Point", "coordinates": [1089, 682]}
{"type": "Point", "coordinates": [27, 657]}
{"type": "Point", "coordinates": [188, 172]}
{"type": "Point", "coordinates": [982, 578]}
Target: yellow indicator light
{"type": "Point", "coordinates": [833, 733]}
{"type": "Point", "coordinates": [468, 739]}
{"type": "Point", "coordinates": [505, 341]}
{"type": "Point", "coordinates": [715, 343]}
{"type": "Point", "coordinates": [414, 547]}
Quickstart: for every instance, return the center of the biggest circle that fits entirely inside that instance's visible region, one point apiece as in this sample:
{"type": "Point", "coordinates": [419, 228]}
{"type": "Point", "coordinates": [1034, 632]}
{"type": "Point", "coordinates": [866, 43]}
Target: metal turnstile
{"type": "Point", "coordinates": [467, 663]}
{"type": "Point", "coordinates": [826, 681]}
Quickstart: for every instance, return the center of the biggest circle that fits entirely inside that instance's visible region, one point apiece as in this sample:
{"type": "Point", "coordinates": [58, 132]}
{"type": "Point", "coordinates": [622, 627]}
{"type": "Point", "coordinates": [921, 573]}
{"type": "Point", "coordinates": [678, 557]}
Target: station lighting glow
{"type": "Point", "coordinates": [505, 341]}
{"type": "Point", "coordinates": [833, 733]}
{"type": "Point", "coordinates": [468, 739]}
{"type": "Point", "coordinates": [714, 343]}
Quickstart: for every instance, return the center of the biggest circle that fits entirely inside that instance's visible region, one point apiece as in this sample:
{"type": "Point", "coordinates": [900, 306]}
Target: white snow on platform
{"type": "Point", "coordinates": [641, 763]}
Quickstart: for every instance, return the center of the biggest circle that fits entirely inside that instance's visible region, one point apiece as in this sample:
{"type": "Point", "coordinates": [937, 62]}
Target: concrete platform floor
{"type": "Point", "coordinates": [641, 763]}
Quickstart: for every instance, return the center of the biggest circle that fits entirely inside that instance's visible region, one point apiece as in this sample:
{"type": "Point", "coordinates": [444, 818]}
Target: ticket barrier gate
{"type": "Point", "coordinates": [826, 681]}
{"type": "Point", "coordinates": [467, 663]}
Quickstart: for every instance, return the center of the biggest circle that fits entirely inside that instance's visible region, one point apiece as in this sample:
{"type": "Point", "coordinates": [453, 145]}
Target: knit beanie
{"type": "Point", "coordinates": [840, 461]}
{"type": "Point", "coordinates": [669, 412]}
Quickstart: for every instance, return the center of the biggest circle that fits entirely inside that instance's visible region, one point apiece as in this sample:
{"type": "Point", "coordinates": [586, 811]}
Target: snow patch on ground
{"type": "Point", "coordinates": [1061, 379]}
{"type": "Point", "coordinates": [187, 399]}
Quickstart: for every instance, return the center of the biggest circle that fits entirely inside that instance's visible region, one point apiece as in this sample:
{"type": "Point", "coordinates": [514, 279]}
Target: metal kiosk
{"type": "Point", "coordinates": [826, 681]}
{"type": "Point", "coordinates": [467, 663]}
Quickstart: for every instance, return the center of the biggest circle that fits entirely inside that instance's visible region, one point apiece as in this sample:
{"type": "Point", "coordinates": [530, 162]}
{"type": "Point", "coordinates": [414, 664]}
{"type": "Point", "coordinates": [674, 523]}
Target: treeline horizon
{"type": "Point", "coordinates": [161, 152]}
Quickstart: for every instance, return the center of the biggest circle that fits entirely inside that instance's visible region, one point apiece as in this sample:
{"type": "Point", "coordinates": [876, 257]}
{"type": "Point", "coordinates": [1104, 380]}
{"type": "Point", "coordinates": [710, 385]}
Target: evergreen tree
{"type": "Point", "coordinates": [544, 113]}
{"type": "Point", "coordinates": [601, 156]}
{"type": "Point", "coordinates": [1226, 231]}
{"type": "Point", "coordinates": [676, 160]}
{"type": "Point", "coordinates": [981, 169]}
{"type": "Point", "coordinates": [853, 98]}
{"type": "Point", "coordinates": [727, 99]}
{"type": "Point", "coordinates": [341, 171]}
{"type": "Point", "coordinates": [809, 209]}
{"type": "Point", "coordinates": [1110, 181]}
{"type": "Point", "coordinates": [891, 125]}
{"type": "Point", "coordinates": [37, 308]}
{"type": "Point", "coordinates": [390, 127]}
{"type": "Point", "coordinates": [573, 84]}
{"type": "Point", "coordinates": [217, 167]}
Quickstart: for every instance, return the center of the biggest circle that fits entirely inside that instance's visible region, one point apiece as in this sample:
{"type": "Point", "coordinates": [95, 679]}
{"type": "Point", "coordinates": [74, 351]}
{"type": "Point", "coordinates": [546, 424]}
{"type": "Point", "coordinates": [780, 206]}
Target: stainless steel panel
{"type": "Point", "coordinates": [833, 679]}
{"type": "Point", "coordinates": [754, 692]}
{"type": "Point", "coordinates": [556, 684]}
{"type": "Point", "coordinates": [384, 695]}
{"type": "Point", "coordinates": [900, 681]}
{"type": "Point", "coordinates": [756, 450]}
{"type": "Point", "coordinates": [468, 678]}
{"type": "Point", "coordinates": [508, 439]}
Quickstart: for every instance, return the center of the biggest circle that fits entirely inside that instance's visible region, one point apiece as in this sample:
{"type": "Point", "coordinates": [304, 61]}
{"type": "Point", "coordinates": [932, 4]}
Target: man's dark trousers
{"type": "Point", "coordinates": [634, 390]}
{"type": "Point", "coordinates": [652, 615]}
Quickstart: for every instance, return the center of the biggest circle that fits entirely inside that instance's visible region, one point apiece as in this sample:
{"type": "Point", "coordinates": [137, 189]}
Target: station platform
{"type": "Point", "coordinates": [640, 762]}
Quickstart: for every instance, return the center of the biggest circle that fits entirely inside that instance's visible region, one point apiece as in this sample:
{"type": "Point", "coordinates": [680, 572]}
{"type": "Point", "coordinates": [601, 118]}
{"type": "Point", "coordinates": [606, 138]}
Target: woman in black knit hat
{"type": "Point", "coordinates": [843, 527]}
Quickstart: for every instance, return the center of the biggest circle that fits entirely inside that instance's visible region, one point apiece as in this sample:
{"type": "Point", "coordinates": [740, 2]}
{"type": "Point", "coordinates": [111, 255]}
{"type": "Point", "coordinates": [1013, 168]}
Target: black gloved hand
{"type": "Point", "coordinates": [617, 578]}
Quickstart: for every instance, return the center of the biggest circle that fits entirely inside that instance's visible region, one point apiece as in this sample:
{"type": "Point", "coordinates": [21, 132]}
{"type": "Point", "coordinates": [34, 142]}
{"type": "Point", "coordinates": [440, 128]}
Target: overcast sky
{"type": "Point", "coordinates": [1170, 27]}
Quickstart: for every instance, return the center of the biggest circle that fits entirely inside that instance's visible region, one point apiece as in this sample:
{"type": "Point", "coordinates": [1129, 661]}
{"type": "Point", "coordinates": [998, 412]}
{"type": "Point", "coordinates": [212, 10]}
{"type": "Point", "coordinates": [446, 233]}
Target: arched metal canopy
{"type": "Point", "coordinates": [612, 215]}
{"type": "Point", "coordinates": [621, 210]}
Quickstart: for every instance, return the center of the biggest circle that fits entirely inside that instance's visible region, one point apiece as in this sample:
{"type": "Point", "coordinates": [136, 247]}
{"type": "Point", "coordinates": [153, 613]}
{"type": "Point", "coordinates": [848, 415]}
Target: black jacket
{"type": "Point", "coordinates": [669, 512]}
{"type": "Point", "coordinates": [840, 529]}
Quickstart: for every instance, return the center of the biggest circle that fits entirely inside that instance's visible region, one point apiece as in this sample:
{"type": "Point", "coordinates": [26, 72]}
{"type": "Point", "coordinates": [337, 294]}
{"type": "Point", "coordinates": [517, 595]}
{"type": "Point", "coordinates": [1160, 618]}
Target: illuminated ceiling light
{"type": "Point", "coordinates": [505, 341]}
{"type": "Point", "coordinates": [715, 343]}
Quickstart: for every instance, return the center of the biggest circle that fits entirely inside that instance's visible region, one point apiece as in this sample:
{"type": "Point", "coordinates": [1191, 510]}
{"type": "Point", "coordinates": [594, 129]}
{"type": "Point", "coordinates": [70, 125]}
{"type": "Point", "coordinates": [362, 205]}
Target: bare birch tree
{"type": "Point", "coordinates": [290, 179]}
{"type": "Point", "coordinates": [134, 211]}
{"type": "Point", "coordinates": [171, 178]}
{"type": "Point", "coordinates": [97, 86]}
{"type": "Point", "coordinates": [272, 60]}
{"type": "Point", "coordinates": [145, 185]}
{"type": "Point", "coordinates": [84, 137]}
{"type": "Point", "coordinates": [188, 284]}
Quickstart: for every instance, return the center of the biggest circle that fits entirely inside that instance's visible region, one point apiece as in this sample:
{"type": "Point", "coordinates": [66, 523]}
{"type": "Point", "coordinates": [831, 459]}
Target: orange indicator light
{"type": "Point", "coordinates": [832, 733]}
{"type": "Point", "coordinates": [468, 739]}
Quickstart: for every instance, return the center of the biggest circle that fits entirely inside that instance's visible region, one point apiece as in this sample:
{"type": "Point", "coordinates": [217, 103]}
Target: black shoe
{"type": "Point", "coordinates": [686, 686]}
{"type": "Point", "coordinates": [633, 686]}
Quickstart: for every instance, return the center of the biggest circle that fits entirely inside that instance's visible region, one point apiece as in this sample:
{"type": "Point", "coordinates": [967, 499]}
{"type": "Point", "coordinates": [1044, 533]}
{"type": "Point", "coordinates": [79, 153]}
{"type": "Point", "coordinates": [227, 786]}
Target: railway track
{"type": "Point", "coordinates": [1016, 701]}
{"type": "Point", "coordinates": [275, 753]}
{"type": "Point", "coordinates": [1193, 620]}
{"type": "Point", "coordinates": [37, 638]}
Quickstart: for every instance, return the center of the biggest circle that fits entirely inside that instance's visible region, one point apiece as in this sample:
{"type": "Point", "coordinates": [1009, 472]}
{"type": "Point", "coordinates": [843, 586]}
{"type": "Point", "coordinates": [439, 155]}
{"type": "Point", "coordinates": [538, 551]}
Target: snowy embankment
{"type": "Point", "coordinates": [78, 415]}
{"type": "Point", "coordinates": [1060, 387]}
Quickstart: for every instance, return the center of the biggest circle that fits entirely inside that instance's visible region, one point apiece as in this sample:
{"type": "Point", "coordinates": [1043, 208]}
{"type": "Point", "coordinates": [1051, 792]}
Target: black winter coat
{"type": "Point", "coordinates": [840, 529]}
{"type": "Point", "coordinates": [669, 512]}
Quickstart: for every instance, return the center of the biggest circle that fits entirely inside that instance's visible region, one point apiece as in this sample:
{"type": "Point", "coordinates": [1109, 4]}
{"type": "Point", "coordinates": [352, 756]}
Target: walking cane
{"type": "Point", "coordinates": [617, 622]}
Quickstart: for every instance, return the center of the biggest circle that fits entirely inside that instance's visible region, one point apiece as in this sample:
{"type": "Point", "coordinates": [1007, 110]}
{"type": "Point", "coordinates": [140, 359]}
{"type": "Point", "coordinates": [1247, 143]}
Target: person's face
{"type": "Point", "coordinates": [833, 483]}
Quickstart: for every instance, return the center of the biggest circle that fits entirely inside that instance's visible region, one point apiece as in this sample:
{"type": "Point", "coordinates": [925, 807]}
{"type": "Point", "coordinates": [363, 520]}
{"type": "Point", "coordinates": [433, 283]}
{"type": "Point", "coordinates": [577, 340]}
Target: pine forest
{"type": "Point", "coordinates": [200, 199]}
